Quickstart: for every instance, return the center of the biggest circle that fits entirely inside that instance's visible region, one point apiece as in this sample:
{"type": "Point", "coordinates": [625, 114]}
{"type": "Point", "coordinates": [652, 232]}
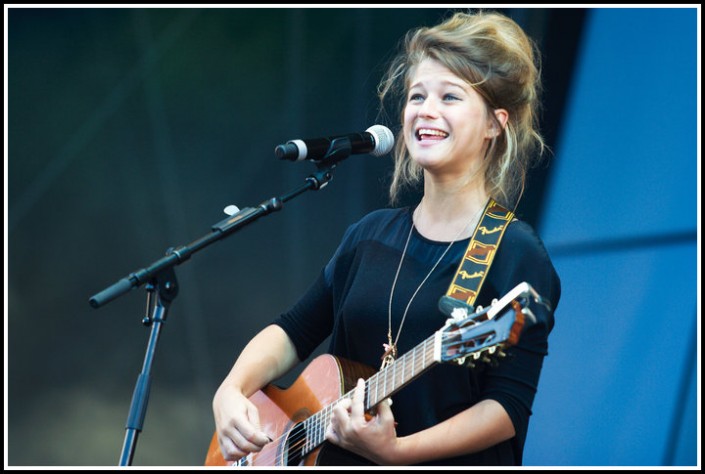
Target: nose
{"type": "Point", "coordinates": [429, 108]}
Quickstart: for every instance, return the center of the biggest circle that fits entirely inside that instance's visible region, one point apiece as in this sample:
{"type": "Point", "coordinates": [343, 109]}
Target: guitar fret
{"type": "Point", "coordinates": [461, 339]}
{"type": "Point", "coordinates": [315, 430]}
{"type": "Point", "coordinates": [388, 380]}
{"type": "Point", "coordinates": [328, 412]}
{"type": "Point", "coordinates": [385, 383]}
{"type": "Point", "coordinates": [403, 370]}
{"type": "Point", "coordinates": [423, 352]}
{"type": "Point", "coordinates": [376, 387]}
{"type": "Point", "coordinates": [315, 426]}
{"type": "Point", "coordinates": [368, 393]}
{"type": "Point", "coordinates": [319, 431]}
{"type": "Point", "coordinates": [315, 437]}
{"type": "Point", "coordinates": [413, 364]}
{"type": "Point", "coordinates": [394, 375]}
{"type": "Point", "coordinates": [308, 428]}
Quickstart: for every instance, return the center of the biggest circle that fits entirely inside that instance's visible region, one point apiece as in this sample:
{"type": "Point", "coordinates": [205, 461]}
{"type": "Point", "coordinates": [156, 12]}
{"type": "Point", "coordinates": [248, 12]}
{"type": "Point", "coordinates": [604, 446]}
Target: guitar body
{"type": "Point", "coordinates": [296, 418]}
{"type": "Point", "coordinates": [321, 383]}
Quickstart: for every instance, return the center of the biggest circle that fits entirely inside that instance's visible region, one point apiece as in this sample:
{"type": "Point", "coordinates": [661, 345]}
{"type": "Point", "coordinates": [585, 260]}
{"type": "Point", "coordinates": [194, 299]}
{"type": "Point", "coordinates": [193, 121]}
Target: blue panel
{"type": "Point", "coordinates": [626, 163]}
{"type": "Point", "coordinates": [685, 443]}
{"type": "Point", "coordinates": [612, 381]}
{"type": "Point", "coordinates": [626, 167]}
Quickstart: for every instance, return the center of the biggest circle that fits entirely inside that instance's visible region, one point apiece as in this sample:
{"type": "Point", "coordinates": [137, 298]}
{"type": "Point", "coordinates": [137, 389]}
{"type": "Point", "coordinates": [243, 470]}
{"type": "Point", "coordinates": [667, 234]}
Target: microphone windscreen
{"type": "Point", "coordinates": [384, 139]}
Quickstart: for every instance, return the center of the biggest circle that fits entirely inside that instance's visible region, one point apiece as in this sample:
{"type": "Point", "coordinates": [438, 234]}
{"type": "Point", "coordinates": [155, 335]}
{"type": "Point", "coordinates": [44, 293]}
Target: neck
{"type": "Point", "coordinates": [447, 212]}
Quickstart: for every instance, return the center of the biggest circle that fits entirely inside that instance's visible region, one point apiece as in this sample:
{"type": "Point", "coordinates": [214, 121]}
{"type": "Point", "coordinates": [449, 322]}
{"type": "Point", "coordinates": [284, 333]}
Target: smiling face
{"type": "Point", "coordinates": [447, 127]}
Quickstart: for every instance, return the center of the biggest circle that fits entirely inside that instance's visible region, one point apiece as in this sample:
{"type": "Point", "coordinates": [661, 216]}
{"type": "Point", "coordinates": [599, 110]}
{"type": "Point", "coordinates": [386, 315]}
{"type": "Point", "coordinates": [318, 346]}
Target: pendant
{"type": "Point", "coordinates": [390, 352]}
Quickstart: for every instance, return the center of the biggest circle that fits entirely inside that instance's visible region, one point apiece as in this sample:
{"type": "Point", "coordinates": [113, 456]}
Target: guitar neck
{"type": "Point", "coordinates": [479, 335]}
{"type": "Point", "coordinates": [381, 385]}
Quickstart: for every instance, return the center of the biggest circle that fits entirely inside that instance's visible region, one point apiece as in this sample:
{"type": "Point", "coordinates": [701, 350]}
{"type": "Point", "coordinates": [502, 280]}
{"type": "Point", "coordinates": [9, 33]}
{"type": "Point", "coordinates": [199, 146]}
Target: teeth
{"type": "Point", "coordinates": [430, 131]}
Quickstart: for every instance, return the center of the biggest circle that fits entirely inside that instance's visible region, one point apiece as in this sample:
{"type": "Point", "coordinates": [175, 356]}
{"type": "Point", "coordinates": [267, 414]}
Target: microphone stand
{"type": "Point", "coordinates": [162, 286]}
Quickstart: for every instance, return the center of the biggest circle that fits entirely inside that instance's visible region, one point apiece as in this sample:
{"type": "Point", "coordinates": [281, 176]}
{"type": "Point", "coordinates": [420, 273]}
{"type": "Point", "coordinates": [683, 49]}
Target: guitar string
{"type": "Point", "coordinates": [298, 441]}
{"type": "Point", "coordinates": [321, 426]}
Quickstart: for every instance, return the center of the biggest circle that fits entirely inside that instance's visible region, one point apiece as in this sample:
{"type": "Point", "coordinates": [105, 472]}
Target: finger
{"type": "Point", "coordinates": [252, 431]}
{"type": "Point", "coordinates": [332, 435]}
{"type": "Point", "coordinates": [228, 449]}
{"type": "Point", "coordinates": [357, 410]}
{"type": "Point", "coordinates": [254, 441]}
{"type": "Point", "coordinates": [384, 412]}
{"type": "Point", "coordinates": [242, 442]}
{"type": "Point", "coordinates": [343, 406]}
{"type": "Point", "coordinates": [339, 415]}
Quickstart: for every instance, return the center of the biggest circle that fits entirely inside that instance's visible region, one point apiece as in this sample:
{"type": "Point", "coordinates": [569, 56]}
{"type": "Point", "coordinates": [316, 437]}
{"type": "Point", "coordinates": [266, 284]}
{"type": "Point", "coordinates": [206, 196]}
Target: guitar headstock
{"type": "Point", "coordinates": [488, 330]}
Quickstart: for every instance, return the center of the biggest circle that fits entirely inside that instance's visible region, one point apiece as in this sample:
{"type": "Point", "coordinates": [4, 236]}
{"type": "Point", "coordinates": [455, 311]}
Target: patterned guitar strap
{"type": "Point", "coordinates": [478, 257]}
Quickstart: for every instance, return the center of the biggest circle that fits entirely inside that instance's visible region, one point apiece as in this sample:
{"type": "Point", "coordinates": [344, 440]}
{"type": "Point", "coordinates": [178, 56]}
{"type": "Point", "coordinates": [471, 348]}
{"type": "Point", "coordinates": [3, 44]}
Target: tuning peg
{"type": "Point", "coordinates": [528, 314]}
{"type": "Point", "coordinates": [231, 210]}
{"type": "Point", "coordinates": [454, 307]}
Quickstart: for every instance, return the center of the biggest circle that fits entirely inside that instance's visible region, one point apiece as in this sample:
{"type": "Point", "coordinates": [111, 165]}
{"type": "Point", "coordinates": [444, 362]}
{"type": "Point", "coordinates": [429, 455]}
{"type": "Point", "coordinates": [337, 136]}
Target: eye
{"type": "Point", "coordinates": [451, 97]}
{"type": "Point", "coordinates": [416, 97]}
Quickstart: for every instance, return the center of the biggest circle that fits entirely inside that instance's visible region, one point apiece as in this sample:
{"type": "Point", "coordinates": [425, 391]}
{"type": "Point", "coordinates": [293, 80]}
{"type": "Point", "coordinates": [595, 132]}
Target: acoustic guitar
{"type": "Point", "coordinates": [296, 418]}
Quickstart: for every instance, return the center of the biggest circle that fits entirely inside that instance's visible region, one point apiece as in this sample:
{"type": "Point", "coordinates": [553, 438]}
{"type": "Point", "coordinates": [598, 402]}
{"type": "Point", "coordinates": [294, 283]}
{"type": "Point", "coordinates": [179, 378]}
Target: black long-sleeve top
{"type": "Point", "coordinates": [349, 301]}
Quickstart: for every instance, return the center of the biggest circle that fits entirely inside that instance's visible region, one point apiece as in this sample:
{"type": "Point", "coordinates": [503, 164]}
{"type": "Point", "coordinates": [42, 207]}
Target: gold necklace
{"type": "Point", "coordinates": [390, 347]}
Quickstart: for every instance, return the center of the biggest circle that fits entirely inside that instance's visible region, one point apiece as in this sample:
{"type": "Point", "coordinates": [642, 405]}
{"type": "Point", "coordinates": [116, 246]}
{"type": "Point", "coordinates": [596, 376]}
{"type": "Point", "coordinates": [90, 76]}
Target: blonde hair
{"type": "Point", "coordinates": [495, 56]}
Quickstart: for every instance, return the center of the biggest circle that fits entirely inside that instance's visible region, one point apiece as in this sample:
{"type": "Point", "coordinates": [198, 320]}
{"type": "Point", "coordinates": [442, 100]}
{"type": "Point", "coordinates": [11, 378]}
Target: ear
{"type": "Point", "coordinates": [501, 116]}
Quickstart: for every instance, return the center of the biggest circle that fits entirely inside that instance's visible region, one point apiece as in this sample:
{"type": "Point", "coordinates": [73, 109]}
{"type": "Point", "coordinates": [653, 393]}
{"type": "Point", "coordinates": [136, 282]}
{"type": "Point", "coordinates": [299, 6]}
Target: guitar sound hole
{"type": "Point", "coordinates": [294, 446]}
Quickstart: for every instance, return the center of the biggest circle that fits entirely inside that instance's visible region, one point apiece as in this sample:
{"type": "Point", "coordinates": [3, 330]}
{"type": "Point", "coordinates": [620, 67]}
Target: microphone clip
{"type": "Point", "coordinates": [340, 148]}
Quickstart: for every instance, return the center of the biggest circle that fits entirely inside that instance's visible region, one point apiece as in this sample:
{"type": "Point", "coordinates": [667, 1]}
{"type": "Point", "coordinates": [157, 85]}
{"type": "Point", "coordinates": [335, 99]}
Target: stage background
{"type": "Point", "coordinates": [128, 130]}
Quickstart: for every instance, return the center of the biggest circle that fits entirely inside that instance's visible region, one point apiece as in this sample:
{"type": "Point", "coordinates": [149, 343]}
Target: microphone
{"type": "Point", "coordinates": [377, 140]}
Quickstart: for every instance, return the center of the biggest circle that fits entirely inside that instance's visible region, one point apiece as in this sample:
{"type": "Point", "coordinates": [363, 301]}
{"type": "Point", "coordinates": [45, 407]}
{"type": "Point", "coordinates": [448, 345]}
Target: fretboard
{"type": "Point", "coordinates": [381, 385]}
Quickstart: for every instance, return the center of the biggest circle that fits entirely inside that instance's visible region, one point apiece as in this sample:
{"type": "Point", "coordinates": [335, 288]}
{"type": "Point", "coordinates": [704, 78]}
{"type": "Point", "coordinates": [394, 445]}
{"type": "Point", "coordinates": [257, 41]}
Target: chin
{"type": "Point", "coordinates": [428, 163]}
{"type": "Point", "coordinates": [427, 157]}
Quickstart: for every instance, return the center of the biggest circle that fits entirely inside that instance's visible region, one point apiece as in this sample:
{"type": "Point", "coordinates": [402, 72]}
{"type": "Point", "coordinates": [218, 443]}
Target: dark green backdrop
{"type": "Point", "coordinates": [129, 130]}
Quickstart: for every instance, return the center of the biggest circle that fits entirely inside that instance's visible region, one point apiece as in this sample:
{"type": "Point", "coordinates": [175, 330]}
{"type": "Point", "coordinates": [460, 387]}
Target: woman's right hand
{"type": "Point", "coordinates": [237, 423]}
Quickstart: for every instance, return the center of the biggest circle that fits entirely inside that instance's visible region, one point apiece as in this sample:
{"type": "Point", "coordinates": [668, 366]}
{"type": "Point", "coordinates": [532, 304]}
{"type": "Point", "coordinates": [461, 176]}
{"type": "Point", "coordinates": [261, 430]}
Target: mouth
{"type": "Point", "coordinates": [430, 134]}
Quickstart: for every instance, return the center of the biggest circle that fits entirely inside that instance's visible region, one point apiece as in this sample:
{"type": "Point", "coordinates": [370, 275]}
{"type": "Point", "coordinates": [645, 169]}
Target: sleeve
{"type": "Point", "coordinates": [513, 381]}
{"type": "Point", "coordinates": [310, 320]}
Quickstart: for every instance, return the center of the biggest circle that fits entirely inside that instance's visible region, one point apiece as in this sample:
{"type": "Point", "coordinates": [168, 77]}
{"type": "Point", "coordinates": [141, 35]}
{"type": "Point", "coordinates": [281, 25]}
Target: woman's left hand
{"type": "Point", "coordinates": [374, 438]}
